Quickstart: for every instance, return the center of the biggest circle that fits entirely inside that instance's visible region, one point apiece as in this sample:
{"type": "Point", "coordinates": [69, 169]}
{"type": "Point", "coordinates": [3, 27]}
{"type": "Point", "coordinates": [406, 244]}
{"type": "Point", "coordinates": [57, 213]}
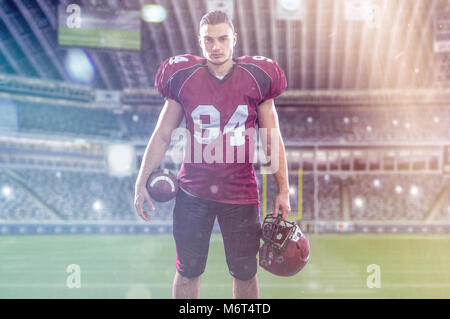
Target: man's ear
{"type": "Point", "coordinates": [199, 41]}
{"type": "Point", "coordinates": [234, 39]}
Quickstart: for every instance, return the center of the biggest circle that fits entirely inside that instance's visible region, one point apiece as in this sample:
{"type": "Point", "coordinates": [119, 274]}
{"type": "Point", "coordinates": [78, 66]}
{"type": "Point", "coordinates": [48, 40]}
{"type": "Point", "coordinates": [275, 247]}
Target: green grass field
{"type": "Point", "coordinates": [139, 266]}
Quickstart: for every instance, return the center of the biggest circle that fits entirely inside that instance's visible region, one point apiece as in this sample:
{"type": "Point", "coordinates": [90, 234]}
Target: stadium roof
{"type": "Point", "coordinates": [326, 50]}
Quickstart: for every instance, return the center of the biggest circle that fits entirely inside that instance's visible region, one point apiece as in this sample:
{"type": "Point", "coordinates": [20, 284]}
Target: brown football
{"type": "Point", "coordinates": [162, 185]}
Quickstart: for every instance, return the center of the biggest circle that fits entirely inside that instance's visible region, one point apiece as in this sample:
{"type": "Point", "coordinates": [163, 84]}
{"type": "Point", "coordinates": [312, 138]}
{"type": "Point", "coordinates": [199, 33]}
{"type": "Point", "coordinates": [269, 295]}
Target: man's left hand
{"type": "Point", "coordinates": [282, 203]}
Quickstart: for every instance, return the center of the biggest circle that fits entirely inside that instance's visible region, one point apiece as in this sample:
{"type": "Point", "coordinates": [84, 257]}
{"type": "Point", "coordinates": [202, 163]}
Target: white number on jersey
{"type": "Point", "coordinates": [236, 124]}
{"type": "Point", "coordinates": [262, 58]}
{"type": "Point", "coordinates": [177, 59]}
{"type": "Point", "coordinates": [212, 128]}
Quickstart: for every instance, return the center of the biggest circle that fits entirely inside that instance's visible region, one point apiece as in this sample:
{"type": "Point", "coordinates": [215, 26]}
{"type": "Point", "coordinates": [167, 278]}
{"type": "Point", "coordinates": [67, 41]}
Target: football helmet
{"type": "Point", "coordinates": [285, 250]}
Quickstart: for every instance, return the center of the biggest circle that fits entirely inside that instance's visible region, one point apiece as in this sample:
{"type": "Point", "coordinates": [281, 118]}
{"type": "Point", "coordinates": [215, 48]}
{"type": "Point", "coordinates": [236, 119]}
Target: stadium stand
{"type": "Point", "coordinates": [77, 196]}
{"type": "Point", "coordinates": [46, 196]}
{"type": "Point", "coordinates": [72, 196]}
{"type": "Point", "coordinates": [70, 192]}
{"type": "Point", "coordinates": [365, 124]}
{"type": "Point", "coordinates": [16, 204]}
{"type": "Point", "coordinates": [329, 198]}
{"type": "Point", "coordinates": [307, 208]}
{"type": "Point", "coordinates": [444, 212]}
{"type": "Point", "coordinates": [394, 197]}
{"type": "Point", "coordinates": [299, 124]}
{"type": "Point", "coordinates": [39, 117]}
{"type": "Point", "coordinates": [141, 124]}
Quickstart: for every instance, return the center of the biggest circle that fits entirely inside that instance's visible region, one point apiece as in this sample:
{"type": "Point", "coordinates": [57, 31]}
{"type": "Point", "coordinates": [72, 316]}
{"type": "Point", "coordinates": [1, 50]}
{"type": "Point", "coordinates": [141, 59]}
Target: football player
{"type": "Point", "coordinates": [222, 98]}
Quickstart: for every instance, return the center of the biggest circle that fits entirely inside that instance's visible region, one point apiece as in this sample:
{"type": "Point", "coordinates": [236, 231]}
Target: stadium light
{"type": "Point", "coordinates": [121, 159]}
{"type": "Point", "coordinates": [79, 67]}
{"type": "Point", "coordinates": [395, 122]}
{"type": "Point", "coordinates": [135, 118]}
{"type": "Point", "coordinates": [7, 191]}
{"type": "Point", "coordinates": [153, 13]}
{"type": "Point", "coordinates": [292, 190]}
{"type": "Point", "coordinates": [436, 119]}
{"type": "Point", "coordinates": [414, 190]}
{"type": "Point", "coordinates": [377, 183]}
{"type": "Point", "coordinates": [359, 202]}
{"type": "Point", "coordinates": [359, 10]}
{"type": "Point", "coordinates": [346, 120]}
{"type": "Point", "coordinates": [97, 206]}
{"type": "Point", "coordinates": [398, 189]}
{"type": "Point", "coordinates": [309, 119]}
{"type": "Point", "coordinates": [290, 5]}
{"type": "Point", "coordinates": [369, 128]}
{"type": "Point", "coordinates": [407, 125]}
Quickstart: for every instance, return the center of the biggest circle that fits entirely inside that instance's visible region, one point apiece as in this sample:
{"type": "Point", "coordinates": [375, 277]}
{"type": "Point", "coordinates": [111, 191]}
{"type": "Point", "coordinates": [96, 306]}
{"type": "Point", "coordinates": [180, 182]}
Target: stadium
{"type": "Point", "coordinates": [365, 121]}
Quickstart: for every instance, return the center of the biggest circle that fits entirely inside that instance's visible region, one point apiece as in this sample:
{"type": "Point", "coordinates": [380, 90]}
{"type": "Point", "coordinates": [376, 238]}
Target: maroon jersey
{"type": "Point", "coordinates": [221, 115]}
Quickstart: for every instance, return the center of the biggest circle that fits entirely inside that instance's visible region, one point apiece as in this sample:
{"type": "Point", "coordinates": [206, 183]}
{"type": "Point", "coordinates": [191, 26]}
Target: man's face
{"type": "Point", "coordinates": [217, 42]}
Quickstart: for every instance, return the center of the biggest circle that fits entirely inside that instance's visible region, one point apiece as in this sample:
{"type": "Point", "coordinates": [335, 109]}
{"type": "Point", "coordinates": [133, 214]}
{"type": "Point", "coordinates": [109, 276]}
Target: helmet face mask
{"type": "Point", "coordinates": [285, 250]}
{"type": "Point", "coordinates": [277, 231]}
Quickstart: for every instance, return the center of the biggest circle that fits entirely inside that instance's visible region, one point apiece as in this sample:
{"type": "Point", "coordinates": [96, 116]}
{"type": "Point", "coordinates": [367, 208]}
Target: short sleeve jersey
{"type": "Point", "coordinates": [221, 117]}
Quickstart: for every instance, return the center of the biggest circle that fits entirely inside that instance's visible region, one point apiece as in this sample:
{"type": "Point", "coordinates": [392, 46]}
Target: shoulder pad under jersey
{"type": "Point", "coordinates": [170, 68]}
{"type": "Point", "coordinates": [268, 74]}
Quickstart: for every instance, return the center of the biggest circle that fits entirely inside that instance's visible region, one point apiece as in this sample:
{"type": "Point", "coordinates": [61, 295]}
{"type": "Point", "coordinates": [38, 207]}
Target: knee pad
{"type": "Point", "coordinates": [191, 267]}
{"type": "Point", "coordinates": [243, 268]}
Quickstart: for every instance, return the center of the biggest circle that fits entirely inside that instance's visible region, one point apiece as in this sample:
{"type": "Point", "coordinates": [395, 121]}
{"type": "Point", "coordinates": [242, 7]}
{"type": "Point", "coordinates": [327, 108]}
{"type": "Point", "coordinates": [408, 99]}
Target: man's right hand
{"type": "Point", "coordinates": [169, 119]}
{"type": "Point", "coordinates": [141, 196]}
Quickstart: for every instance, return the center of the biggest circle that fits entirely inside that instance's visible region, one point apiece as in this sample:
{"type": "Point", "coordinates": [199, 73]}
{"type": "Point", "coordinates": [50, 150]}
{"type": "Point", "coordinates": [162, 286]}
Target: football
{"type": "Point", "coordinates": [162, 185]}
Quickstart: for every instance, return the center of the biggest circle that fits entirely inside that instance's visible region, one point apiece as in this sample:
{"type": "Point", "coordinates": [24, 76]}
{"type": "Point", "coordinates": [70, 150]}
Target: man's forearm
{"type": "Point", "coordinates": [153, 156]}
{"type": "Point", "coordinates": [281, 173]}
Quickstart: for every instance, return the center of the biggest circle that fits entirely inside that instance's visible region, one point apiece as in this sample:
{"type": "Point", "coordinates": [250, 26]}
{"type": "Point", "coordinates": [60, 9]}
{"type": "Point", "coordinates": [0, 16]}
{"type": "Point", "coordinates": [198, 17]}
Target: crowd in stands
{"type": "Point", "coordinates": [81, 122]}
{"type": "Point", "coordinates": [335, 124]}
{"type": "Point", "coordinates": [300, 124]}
{"type": "Point", "coordinates": [444, 212]}
{"type": "Point", "coordinates": [71, 195]}
{"type": "Point", "coordinates": [48, 195]}
{"type": "Point", "coordinates": [394, 197]}
{"type": "Point", "coordinates": [140, 125]}
{"type": "Point", "coordinates": [329, 198]}
{"type": "Point", "coordinates": [366, 124]}
{"type": "Point", "coordinates": [16, 204]}
{"type": "Point", "coordinates": [303, 204]}
{"type": "Point", "coordinates": [71, 121]}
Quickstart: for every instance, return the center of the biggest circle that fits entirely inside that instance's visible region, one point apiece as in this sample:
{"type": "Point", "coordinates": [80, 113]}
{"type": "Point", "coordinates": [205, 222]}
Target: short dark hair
{"type": "Point", "coordinates": [216, 17]}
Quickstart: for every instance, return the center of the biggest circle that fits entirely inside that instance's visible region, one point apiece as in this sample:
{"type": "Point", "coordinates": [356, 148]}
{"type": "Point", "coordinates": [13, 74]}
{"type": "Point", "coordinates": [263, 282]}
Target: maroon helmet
{"type": "Point", "coordinates": [285, 250]}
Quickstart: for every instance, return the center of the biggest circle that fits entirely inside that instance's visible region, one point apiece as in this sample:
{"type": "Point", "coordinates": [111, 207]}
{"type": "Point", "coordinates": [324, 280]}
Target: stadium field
{"type": "Point", "coordinates": [139, 266]}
